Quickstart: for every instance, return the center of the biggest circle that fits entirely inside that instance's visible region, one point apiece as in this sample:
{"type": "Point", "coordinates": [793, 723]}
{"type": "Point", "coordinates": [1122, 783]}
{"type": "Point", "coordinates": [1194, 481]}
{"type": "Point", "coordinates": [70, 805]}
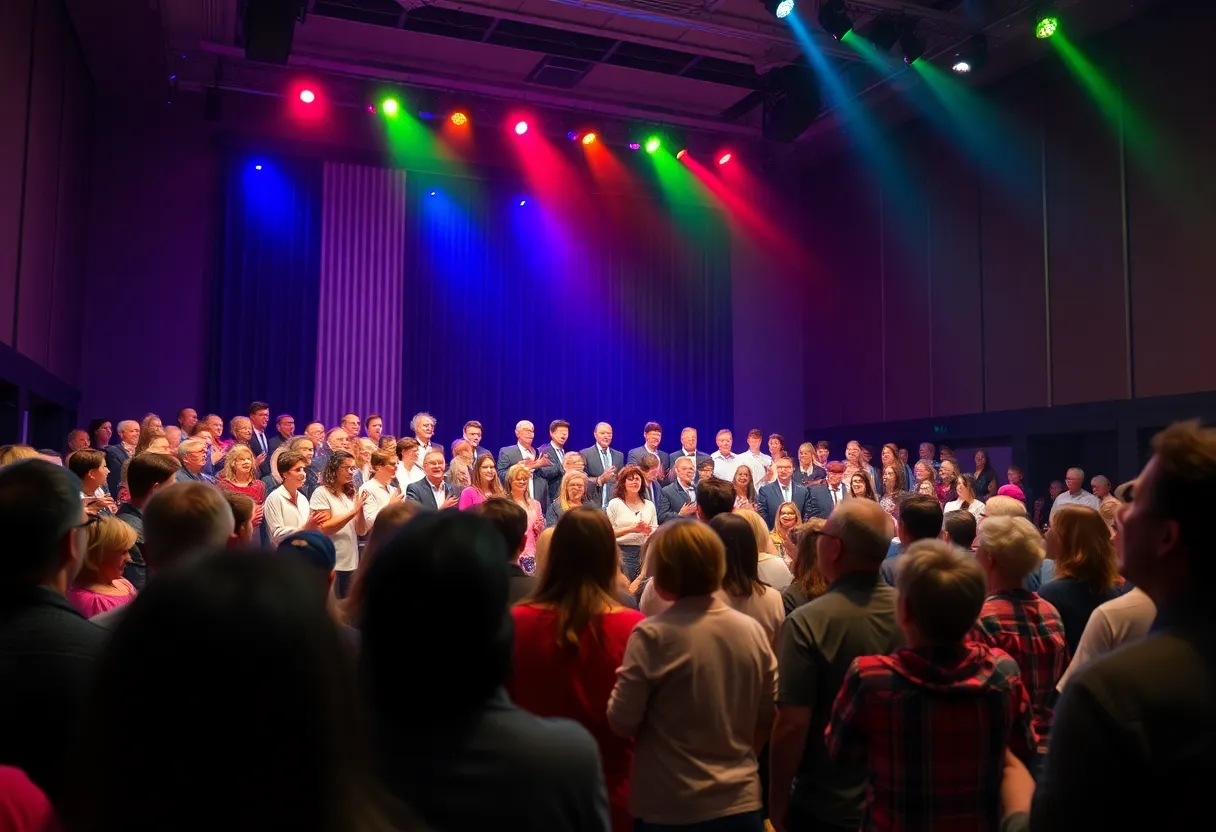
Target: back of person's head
{"type": "Point", "coordinates": [580, 575]}
{"type": "Point", "coordinates": [1001, 506]}
{"type": "Point", "coordinates": [742, 577]}
{"type": "Point", "coordinates": [39, 509]}
{"type": "Point", "coordinates": [15, 453]}
{"type": "Point", "coordinates": [85, 461]}
{"type": "Point", "coordinates": [714, 496]}
{"type": "Point", "coordinates": [182, 518]}
{"type": "Point", "coordinates": [1182, 489]}
{"type": "Point", "coordinates": [1086, 552]}
{"type": "Point", "coordinates": [863, 529]}
{"type": "Point", "coordinates": [959, 526]}
{"type": "Point", "coordinates": [231, 658]}
{"type": "Point", "coordinates": [389, 521]}
{"type": "Point", "coordinates": [941, 590]}
{"type": "Point", "coordinates": [313, 549]}
{"type": "Point", "coordinates": [242, 513]}
{"type": "Point", "coordinates": [1012, 545]}
{"type": "Point", "coordinates": [435, 560]}
{"type": "Point", "coordinates": [806, 557]}
{"type": "Point", "coordinates": [541, 557]}
{"type": "Point", "coordinates": [686, 558]}
{"type": "Point", "coordinates": [920, 516]}
{"type": "Point", "coordinates": [511, 521]}
{"type": "Point", "coordinates": [764, 541]}
{"type": "Point", "coordinates": [147, 470]}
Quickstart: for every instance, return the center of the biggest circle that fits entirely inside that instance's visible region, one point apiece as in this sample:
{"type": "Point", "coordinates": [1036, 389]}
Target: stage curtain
{"type": "Point", "coordinates": [580, 307]}
{"type": "Point", "coordinates": [263, 343]}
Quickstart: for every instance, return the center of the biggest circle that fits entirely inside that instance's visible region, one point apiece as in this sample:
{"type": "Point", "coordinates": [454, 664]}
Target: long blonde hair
{"type": "Point", "coordinates": [234, 454]}
{"type": "Point", "coordinates": [563, 493]}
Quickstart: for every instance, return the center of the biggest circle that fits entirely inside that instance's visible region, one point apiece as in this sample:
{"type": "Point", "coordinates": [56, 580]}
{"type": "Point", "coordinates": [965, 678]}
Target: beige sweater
{"type": "Point", "coordinates": [697, 683]}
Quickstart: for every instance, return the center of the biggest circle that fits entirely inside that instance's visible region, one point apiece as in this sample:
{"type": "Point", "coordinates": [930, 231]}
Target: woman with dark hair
{"type": "Point", "coordinates": [570, 638]}
{"type": "Point", "coordinates": [341, 517]}
{"type": "Point", "coordinates": [484, 483]}
{"type": "Point", "coordinates": [776, 446]}
{"type": "Point", "coordinates": [889, 455]}
{"type": "Point", "coordinates": [893, 489]}
{"type": "Point", "coordinates": [1086, 568]}
{"type": "Point", "coordinates": [745, 489]}
{"type": "Point", "coordinates": [861, 487]}
{"type": "Point", "coordinates": [388, 520]}
{"type": "Point", "coordinates": [968, 497]}
{"type": "Point", "coordinates": [947, 489]}
{"type": "Point", "coordinates": [985, 476]}
{"type": "Point", "coordinates": [741, 585]}
{"type": "Point", "coordinates": [100, 431]}
{"type": "Point", "coordinates": [633, 517]}
{"type": "Point", "coordinates": [808, 583]}
{"type": "Point", "coordinates": [249, 716]}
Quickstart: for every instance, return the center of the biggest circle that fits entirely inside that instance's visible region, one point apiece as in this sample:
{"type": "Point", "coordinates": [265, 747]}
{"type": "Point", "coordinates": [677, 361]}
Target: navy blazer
{"type": "Point", "coordinates": [672, 498]}
{"type": "Point", "coordinates": [595, 467]}
{"type": "Point", "coordinates": [116, 455]}
{"type": "Point", "coordinates": [818, 472]}
{"type": "Point", "coordinates": [676, 454]}
{"type": "Point", "coordinates": [635, 457]}
{"type": "Point", "coordinates": [769, 498]}
{"type": "Point", "coordinates": [420, 492]}
{"type": "Point", "coordinates": [553, 472]}
{"type": "Point", "coordinates": [511, 455]}
{"type": "Point", "coordinates": [821, 500]}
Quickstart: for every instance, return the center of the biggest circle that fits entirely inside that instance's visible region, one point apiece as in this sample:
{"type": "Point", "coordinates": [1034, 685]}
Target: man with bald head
{"type": "Point", "coordinates": [524, 451]}
{"type": "Point", "coordinates": [603, 461]}
{"type": "Point", "coordinates": [819, 640]}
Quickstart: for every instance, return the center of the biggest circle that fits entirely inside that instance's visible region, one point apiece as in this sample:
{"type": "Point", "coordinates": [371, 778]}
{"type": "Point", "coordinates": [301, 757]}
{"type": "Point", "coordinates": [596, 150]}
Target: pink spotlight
{"type": "Point", "coordinates": [724, 158]}
{"type": "Point", "coordinates": [521, 127]}
{"type": "Point", "coordinates": [308, 96]}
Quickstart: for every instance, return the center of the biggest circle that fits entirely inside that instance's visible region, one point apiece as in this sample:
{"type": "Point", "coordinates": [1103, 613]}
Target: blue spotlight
{"type": "Point", "coordinates": [257, 167]}
{"type": "Point", "coordinates": [523, 202]}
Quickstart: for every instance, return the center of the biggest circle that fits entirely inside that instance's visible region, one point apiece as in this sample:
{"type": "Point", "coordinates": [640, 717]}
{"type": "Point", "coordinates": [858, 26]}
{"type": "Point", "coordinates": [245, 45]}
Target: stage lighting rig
{"type": "Point", "coordinates": [1046, 22]}
{"type": "Point", "coordinates": [972, 56]}
{"type": "Point", "coordinates": [834, 18]}
{"type": "Point", "coordinates": [779, 9]}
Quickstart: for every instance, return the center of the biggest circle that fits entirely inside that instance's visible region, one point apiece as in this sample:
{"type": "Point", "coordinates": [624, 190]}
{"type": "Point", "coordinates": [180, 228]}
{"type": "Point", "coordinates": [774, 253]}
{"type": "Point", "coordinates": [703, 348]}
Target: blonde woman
{"type": "Point", "coordinates": [241, 430]}
{"type": "Point", "coordinates": [100, 586]}
{"type": "Point", "coordinates": [787, 520]}
{"type": "Point", "coordinates": [240, 476]}
{"type": "Point", "coordinates": [570, 494]}
{"type": "Point", "coordinates": [1086, 573]}
{"type": "Point", "coordinates": [519, 476]}
{"type": "Point", "coordinates": [770, 567]}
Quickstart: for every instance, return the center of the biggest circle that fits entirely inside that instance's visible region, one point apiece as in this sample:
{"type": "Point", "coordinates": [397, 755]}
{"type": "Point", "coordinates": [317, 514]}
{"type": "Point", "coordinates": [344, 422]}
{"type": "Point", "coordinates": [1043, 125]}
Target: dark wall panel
{"type": "Point", "coordinates": [14, 69]}
{"type": "Point", "coordinates": [1085, 255]}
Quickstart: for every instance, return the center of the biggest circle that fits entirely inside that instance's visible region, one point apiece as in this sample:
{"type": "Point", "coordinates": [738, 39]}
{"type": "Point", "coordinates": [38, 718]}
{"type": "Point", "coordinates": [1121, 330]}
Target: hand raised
{"type": "Point", "coordinates": [450, 502]}
{"type": "Point", "coordinates": [687, 509]}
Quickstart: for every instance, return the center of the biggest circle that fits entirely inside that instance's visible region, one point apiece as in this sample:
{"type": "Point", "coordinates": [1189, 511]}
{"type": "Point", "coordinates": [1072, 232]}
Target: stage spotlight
{"type": "Point", "coordinates": [779, 8]}
{"type": "Point", "coordinates": [572, 136]}
{"type": "Point", "coordinates": [972, 56]}
{"type": "Point", "coordinates": [426, 115]}
{"type": "Point", "coordinates": [308, 96]}
{"type": "Point", "coordinates": [882, 31]}
{"type": "Point", "coordinates": [371, 108]}
{"type": "Point", "coordinates": [635, 146]}
{"type": "Point", "coordinates": [724, 158]}
{"type": "Point", "coordinates": [257, 167]}
{"type": "Point", "coordinates": [390, 106]}
{"type": "Point", "coordinates": [521, 127]}
{"type": "Point", "coordinates": [653, 144]}
{"type": "Point", "coordinates": [910, 44]}
{"type": "Point", "coordinates": [681, 153]}
{"type": "Point", "coordinates": [522, 203]}
{"type": "Point", "coordinates": [432, 193]}
{"type": "Point", "coordinates": [590, 138]}
{"type": "Point", "coordinates": [834, 18]}
{"type": "Point", "coordinates": [1045, 25]}
{"type": "Point", "coordinates": [459, 119]}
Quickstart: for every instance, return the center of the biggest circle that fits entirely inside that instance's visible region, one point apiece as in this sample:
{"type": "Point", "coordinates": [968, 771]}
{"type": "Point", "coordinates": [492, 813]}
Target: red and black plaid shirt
{"type": "Point", "coordinates": [1030, 630]}
{"type": "Point", "coordinates": [932, 726]}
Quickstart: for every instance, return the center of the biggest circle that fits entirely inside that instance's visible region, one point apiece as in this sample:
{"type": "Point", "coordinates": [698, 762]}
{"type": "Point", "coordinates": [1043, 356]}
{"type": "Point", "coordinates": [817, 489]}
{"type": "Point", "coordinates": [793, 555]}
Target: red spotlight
{"type": "Point", "coordinates": [459, 119]}
{"type": "Point", "coordinates": [683, 152]}
{"type": "Point", "coordinates": [590, 138]}
{"type": "Point", "coordinates": [308, 96]}
{"type": "Point", "coordinates": [724, 158]}
{"type": "Point", "coordinates": [521, 127]}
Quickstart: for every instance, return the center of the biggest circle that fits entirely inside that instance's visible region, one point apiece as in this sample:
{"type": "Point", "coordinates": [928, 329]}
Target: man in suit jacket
{"type": "Point", "coordinates": [688, 448]}
{"type": "Point", "coordinates": [603, 461]}
{"type": "Point", "coordinates": [651, 485]}
{"type": "Point", "coordinates": [824, 498]}
{"type": "Point", "coordinates": [259, 418]}
{"type": "Point", "coordinates": [652, 434]}
{"type": "Point", "coordinates": [555, 450]}
{"type": "Point", "coordinates": [285, 428]}
{"type": "Point", "coordinates": [522, 451]}
{"type": "Point", "coordinates": [120, 452]}
{"type": "Point", "coordinates": [678, 499]}
{"type": "Point", "coordinates": [771, 495]}
{"type": "Point", "coordinates": [809, 471]}
{"type": "Point", "coordinates": [472, 434]}
{"type": "Point", "coordinates": [433, 491]}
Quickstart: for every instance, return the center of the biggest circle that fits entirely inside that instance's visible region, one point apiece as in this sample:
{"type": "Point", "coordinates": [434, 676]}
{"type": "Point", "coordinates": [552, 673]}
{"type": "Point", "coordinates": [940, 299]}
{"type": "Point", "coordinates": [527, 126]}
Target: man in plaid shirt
{"type": "Point", "coordinates": [933, 721]}
{"type": "Point", "coordinates": [1017, 621]}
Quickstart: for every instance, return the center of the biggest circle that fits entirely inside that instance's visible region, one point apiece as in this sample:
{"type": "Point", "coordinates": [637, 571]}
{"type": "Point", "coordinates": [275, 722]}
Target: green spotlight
{"type": "Point", "coordinates": [1046, 26]}
{"type": "Point", "coordinates": [653, 144]}
{"type": "Point", "coordinates": [389, 106]}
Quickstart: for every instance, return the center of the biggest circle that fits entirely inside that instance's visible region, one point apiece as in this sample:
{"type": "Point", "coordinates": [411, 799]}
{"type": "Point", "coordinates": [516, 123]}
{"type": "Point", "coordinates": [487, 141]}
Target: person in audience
{"type": "Point", "coordinates": [967, 499]}
{"type": "Point", "coordinates": [485, 483]}
{"type": "Point", "coordinates": [512, 523]}
{"type": "Point", "coordinates": [1101, 490]}
{"type": "Point", "coordinates": [959, 529]}
{"type": "Point", "coordinates": [174, 437]}
{"type": "Point", "coordinates": [788, 519]}
{"type": "Point", "coordinates": [922, 472]}
{"type": "Point", "coordinates": [192, 652]}
{"type": "Point", "coordinates": [463, 450]}
{"type": "Point", "coordinates": [808, 583]}
{"type": "Point", "coordinates": [100, 585]}
{"type": "Point", "coordinates": [423, 426]}
{"type": "Point", "coordinates": [893, 490]}
{"type": "Point", "coordinates": [555, 451]}
{"type": "Point", "coordinates": [47, 649]}
{"type": "Point", "coordinates": [759, 462]}
{"type": "Point", "coordinates": [154, 441]}
{"type": "Point", "coordinates": [1073, 495]}
{"type": "Point", "coordinates": [351, 424]}
{"type": "Point", "coordinates": [15, 453]}
{"type": "Point", "coordinates": [696, 664]}
{"type": "Point", "coordinates": [571, 494]}
{"type": "Point", "coordinates": [889, 458]}
{"type": "Point", "coordinates": [688, 448]}
{"type": "Point", "coordinates": [215, 426]}
{"type": "Point", "coordinates": [825, 498]}
{"type": "Point", "coordinates": [408, 470]}
{"type": "Point", "coordinates": [315, 433]}
{"type": "Point", "coordinates": [146, 474]}
{"type": "Point", "coordinates": [1016, 477]}
{"type": "Point", "coordinates": [100, 431]}
{"type": "Point", "coordinates": [285, 429]}
{"type": "Point", "coordinates": [652, 435]}
{"type": "Point", "coordinates": [458, 478]}
{"type": "Point", "coordinates": [78, 440]}
{"type": "Point", "coordinates": [678, 498]}
{"type": "Point", "coordinates": [465, 757]}
{"type": "Point", "coordinates": [242, 517]}
{"type": "Point", "coordinates": [1020, 622]}
{"type": "Point", "coordinates": [121, 451]}
{"type": "Point", "coordinates": [569, 639]}
{"type": "Point", "coordinates": [650, 479]}
{"type": "Point", "coordinates": [542, 551]}
{"type": "Point", "coordinates": [969, 695]}
{"type": "Point", "coordinates": [388, 443]}
{"type": "Point", "coordinates": [519, 478]}
{"type": "Point", "coordinates": [632, 516]}
{"type": "Point", "coordinates": [984, 478]}
{"type": "Point", "coordinates": [388, 522]}
{"type": "Point", "coordinates": [240, 476]}
{"type": "Point", "coordinates": [378, 489]}
{"type": "Point", "coordinates": [241, 429]}
{"type": "Point", "coordinates": [745, 488]}
{"type": "Point", "coordinates": [286, 509]}
{"type": "Point", "coordinates": [575, 462]}
{"type": "Point", "coordinates": [304, 446]}
{"type": "Point", "coordinates": [192, 454]}
{"type": "Point", "coordinates": [432, 492]}
{"type": "Point", "coordinates": [861, 488]}
{"type": "Point", "coordinates": [340, 507]}
{"type": "Point", "coordinates": [726, 462]}
{"type": "Point", "coordinates": [809, 472]}
{"type": "Point", "coordinates": [259, 420]}
{"type": "Point", "coordinates": [471, 433]}
{"type": "Point", "coordinates": [714, 497]}
{"type": "Point", "coordinates": [770, 566]}
{"type": "Point", "coordinates": [92, 469]}
{"type": "Point", "coordinates": [363, 448]}
{"type": "Point", "coordinates": [705, 469]}
{"type": "Point", "coordinates": [1086, 568]}
{"type": "Point", "coordinates": [781, 490]}
{"type": "Point", "coordinates": [920, 518]}
{"type": "Point", "coordinates": [187, 418]}
{"type": "Point", "coordinates": [776, 446]}
{"type": "Point", "coordinates": [854, 617]}
{"type": "Point", "coordinates": [374, 426]}
{"type": "Point", "coordinates": [742, 588]}
{"type": "Point", "coordinates": [602, 462]}
{"type": "Point", "coordinates": [947, 485]}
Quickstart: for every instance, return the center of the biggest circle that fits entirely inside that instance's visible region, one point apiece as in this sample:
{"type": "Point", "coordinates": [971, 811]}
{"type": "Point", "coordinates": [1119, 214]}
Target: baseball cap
{"type": "Point", "coordinates": [312, 548]}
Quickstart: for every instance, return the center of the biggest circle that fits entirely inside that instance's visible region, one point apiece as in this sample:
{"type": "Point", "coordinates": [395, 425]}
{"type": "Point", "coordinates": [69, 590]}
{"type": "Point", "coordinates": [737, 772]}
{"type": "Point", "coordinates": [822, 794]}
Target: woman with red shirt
{"type": "Point", "coordinates": [570, 638]}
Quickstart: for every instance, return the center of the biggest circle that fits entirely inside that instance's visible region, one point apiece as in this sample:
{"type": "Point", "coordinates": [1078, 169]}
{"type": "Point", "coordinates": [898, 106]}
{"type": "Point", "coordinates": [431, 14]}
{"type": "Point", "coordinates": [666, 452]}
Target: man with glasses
{"type": "Point", "coordinates": [192, 454]}
{"type": "Point", "coordinates": [855, 617]}
{"type": "Point", "coordinates": [1076, 495]}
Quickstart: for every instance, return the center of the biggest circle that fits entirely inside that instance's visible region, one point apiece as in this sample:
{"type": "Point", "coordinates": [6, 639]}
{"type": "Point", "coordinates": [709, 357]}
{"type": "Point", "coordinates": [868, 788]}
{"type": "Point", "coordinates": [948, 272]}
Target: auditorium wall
{"type": "Point", "coordinates": [45, 126]}
{"type": "Point", "coordinates": [1070, 263]}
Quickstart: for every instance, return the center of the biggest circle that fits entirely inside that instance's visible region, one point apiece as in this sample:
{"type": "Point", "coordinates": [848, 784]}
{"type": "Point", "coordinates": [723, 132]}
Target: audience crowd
{"type": "Point", "coordinates": [347, 630]}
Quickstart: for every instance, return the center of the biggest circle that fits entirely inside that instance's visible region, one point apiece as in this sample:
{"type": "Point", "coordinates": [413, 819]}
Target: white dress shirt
{"type": "Point", "coordinates": [423, 450]}
{"type": "Point", "coordinates": [976, 508]}
{"type": "Point", "coordinates": [284, 515]}
{"type": "Point", "coordinates": [725, 466]}
{"type": "Point", "coordinates": [528, 454]}
{"type": "Point", "coordinates": [408, 476]}
{"type": "Point", "coordinates": [838, 493]}
{"type": "Point", "coordinates": [787, 491]}
{"type": "Point", "coordinates": [1083, 498]}
{"type": "Point", "coordinates": [438, 493]}
{"type": "Point", "coordinates": [377, 498]}
{"type": "Point", "coordinates": [758, 462]}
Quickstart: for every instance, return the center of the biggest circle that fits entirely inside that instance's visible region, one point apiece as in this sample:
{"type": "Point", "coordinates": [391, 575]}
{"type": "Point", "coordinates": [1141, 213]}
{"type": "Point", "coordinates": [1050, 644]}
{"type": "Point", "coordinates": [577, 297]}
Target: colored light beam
{"type": "Point", "coordinates": [412, 145]}
{"type": "Point", "coordinates": [612, 176]}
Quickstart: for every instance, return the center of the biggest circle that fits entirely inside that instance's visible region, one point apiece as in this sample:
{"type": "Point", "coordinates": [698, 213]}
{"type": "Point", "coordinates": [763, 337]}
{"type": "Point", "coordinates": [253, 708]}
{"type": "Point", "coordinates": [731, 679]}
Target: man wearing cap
{"type": "Point", "coordinates": [824, 498]}
{"type": "Point", "coordinates": [316, 550]}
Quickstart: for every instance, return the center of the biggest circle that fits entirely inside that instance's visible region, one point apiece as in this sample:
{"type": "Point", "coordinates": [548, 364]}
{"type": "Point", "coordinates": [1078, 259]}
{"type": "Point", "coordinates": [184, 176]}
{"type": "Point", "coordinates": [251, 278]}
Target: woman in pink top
{"type": "Point", "coordinates": [23, 806]}
{"type": "Point", "coordinates": [100, 585]}
{"type": "Point", "coordinates": [485, 483]}
{"type": "Point", "coordinates": [570, 638]}
{"type": "Point", "coordinates": [518, 478]}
